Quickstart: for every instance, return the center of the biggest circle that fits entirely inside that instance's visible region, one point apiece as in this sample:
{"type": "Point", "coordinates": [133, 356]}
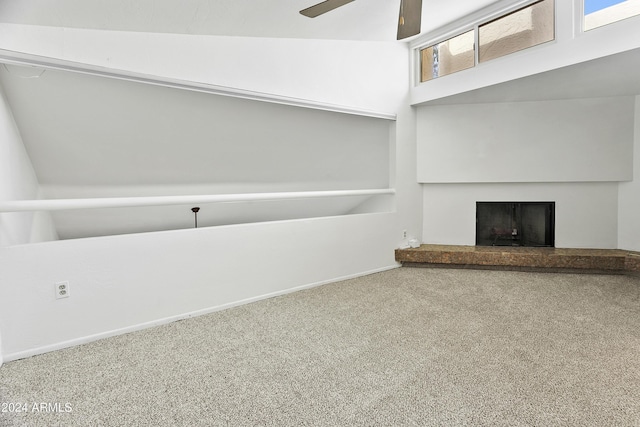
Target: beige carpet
{"type": "Point", "coordinates": [405, 347]}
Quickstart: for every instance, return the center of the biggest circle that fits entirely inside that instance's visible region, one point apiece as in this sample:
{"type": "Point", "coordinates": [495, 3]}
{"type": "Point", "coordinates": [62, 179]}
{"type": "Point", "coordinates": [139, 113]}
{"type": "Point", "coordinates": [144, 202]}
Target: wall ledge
{"type": "Point", "coordinates": [10, 57]}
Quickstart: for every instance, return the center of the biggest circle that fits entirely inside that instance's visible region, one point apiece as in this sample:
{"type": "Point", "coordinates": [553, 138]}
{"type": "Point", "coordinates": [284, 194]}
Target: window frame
{"type": "Point", "coordinates": [580, 18]}
{"type": "Point", "coordinates": [475, 20]}
{"type": "Point", "coordinates": [530, 5]}
{"type": "Point", "coordinates": [475, 54]}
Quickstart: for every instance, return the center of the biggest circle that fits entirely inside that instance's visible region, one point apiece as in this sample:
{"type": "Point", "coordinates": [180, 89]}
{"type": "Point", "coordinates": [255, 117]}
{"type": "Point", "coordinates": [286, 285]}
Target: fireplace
{"type": "Point", "coordinates": [515, 224]}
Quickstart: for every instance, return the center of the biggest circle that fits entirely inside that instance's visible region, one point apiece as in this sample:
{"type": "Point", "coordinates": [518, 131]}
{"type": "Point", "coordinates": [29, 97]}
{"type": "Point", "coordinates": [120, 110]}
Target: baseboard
{"type": "Point", "coordinates": [90, 338]}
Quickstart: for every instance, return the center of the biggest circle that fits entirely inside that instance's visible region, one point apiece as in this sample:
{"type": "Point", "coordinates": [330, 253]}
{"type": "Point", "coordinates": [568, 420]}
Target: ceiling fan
{"type": "Point", "coordinates": [408, 21]}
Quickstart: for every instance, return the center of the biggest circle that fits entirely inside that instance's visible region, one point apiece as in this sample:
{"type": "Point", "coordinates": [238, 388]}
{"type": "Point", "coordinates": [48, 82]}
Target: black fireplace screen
{"type": "Point", "coordinates": [515, 223]}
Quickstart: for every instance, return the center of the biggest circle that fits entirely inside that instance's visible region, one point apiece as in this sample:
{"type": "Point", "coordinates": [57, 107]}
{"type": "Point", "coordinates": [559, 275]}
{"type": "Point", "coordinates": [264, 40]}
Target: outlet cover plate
{"type": "Point", "coordinates": [62, 290]}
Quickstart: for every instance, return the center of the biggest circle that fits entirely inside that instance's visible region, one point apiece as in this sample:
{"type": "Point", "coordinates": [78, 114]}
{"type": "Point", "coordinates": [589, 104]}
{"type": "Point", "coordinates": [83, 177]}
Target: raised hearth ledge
{"type": "Point", "coordinates": [611, 261]}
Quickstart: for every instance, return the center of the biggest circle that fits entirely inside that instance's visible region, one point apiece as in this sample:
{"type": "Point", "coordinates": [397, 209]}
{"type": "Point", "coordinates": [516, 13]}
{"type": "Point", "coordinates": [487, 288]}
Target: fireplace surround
{"type": "Point", "coordinates": [515, 224]}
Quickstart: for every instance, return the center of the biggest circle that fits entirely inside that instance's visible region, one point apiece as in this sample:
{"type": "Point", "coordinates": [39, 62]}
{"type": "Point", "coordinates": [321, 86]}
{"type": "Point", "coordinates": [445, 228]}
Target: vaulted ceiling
{"type": "Point", "coordinates": [358, 20]}
{"type": "Point", "coordinates": [93, 137]}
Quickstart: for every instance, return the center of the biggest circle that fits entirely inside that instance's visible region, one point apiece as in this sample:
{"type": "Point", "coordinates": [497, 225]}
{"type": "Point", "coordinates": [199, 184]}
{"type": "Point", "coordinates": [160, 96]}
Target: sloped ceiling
{"type": "Point", "coordinates": [359, 20]}
{"type": "Point", "coordinates": [95, 131]}
{"type": "Point", "coordinates": [90, 136]}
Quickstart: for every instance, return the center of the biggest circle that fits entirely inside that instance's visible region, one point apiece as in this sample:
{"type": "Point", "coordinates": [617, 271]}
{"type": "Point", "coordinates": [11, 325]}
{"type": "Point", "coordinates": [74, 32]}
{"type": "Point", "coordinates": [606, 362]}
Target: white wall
{"type": "Point", "coordinates": [403, 177]}
{"type": "Point", "coordinates": [372, 76]}
{"type": "Point", "coordinates": [572, 152]}
{"type": "Point", "coordinates": [123, 283]}
{"type": "Point", "coordinates": [134, 139]}
{"type": "Point", "coordinates": [629, 197]}
{"type": "Point", "coordinates": [18, 181]}
{"type": "Point", "coordinates": [571, 46]}
{"type": "Point", "coordinates": [585, 216]}
{"type": "Point", "coordinates": [583, 127]}
{"type": "Point", "coordinates": [367, 75]}
{"type": "Point", "coordinates": [542, 141]}
{"type": "Point", "coordinates": [157, 277]}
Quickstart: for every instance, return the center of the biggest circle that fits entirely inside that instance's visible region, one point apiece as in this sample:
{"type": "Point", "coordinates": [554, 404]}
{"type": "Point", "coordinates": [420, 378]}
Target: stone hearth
{"type": "Point", "coordinates": [612, 261]}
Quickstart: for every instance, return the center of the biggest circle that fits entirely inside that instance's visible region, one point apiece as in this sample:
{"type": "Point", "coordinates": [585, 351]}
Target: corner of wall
{"type": "Point", "coordinates": [18, 181]}
{"type": "Point", "coordinates": [628, 195]}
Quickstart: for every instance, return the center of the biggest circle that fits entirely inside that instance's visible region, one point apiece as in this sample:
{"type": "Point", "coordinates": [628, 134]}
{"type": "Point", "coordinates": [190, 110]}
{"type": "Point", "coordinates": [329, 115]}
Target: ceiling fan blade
{"type": "Point", "coordinates": [323, 7]}
{"type": "Point", "coordinates": [410, 18]}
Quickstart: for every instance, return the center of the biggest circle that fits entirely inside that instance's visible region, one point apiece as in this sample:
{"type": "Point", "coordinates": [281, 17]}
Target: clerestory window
{"type": "Point", "coordinates": [514, 31]}
{"type": "Point", "coordinates": [522, 29]}
{"type": "Point", "coordinates": [598, 13]}
{"type": "Point", "coordinates": [447, 57]}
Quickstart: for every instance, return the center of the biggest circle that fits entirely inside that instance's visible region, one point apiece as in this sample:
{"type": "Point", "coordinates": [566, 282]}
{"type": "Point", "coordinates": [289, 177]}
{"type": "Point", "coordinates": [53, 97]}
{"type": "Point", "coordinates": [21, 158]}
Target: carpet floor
{"type": "Point", "coordinates": [410, 346]}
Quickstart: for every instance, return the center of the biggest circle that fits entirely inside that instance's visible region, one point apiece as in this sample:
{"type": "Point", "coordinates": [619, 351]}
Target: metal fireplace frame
{"type": "Point", "coordinates": [515, 234]}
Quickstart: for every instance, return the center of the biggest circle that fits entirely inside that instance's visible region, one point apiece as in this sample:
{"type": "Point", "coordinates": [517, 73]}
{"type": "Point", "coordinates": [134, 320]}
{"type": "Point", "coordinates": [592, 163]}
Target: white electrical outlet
{"type": "Point", "coordinates": [404, 234]}
{"type": "Point", "coordinates": [62, 289]}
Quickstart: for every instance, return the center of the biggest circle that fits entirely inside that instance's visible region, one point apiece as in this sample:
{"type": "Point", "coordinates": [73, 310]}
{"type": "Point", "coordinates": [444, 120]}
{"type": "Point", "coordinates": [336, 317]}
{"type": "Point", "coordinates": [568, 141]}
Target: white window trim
{"type": "Point", "coordinates": [472, 22]}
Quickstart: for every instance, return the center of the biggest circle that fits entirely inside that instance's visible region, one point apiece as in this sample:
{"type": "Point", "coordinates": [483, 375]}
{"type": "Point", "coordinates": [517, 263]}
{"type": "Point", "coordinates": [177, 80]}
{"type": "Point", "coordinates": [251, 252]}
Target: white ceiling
{"type": "Point", "coordinates": [359, 20]}
{"type": "Point", "coordinates": [83, 130]}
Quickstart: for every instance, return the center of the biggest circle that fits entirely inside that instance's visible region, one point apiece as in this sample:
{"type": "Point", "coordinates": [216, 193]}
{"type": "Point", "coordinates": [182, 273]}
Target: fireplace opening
{"type": "Point", "coordinates": [515, 224]}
